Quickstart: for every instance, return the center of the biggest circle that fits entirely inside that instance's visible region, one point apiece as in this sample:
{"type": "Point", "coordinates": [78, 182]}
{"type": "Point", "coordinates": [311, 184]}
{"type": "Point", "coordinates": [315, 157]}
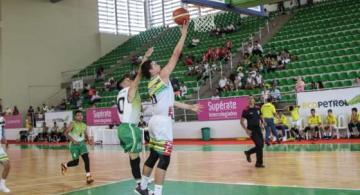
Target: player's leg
{"type": "Point", "coordinates": [4, 160]}
{"type": "Point", "coordinates": [351, 126]}
{"type": "Point", "coordinates": [259, 145]}
{"type": "Point", "coordinates": [273, 129]}
{"type": "Point", "coordinates": [75, 154]}
{"type": "Point", "coordinates": [252, 150]}
{"type": "Point", "coordinates": [86, 159]}
{"type": "Point", "coordinates": [160, 173]}
{"type": "Point", "coordinates": [267, 132]}
{"type": "Point", "coordinates": [147, 169]}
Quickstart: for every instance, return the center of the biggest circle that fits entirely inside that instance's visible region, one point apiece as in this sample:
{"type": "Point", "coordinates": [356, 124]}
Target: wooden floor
{"type": "Point", "coordinates": [37, 171]}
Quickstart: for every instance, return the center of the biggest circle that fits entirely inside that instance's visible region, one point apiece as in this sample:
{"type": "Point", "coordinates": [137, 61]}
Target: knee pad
{"type": "Point", "coordinates": [151, 161]}
{"type": "Point", "coordinates": [164, 162]}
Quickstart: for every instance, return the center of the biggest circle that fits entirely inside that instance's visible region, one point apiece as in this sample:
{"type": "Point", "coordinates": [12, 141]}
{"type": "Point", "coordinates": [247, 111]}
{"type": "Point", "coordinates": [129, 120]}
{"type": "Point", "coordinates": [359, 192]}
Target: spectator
{"type": "Point", "coordinates": [53, 134]}
{"type": "Point", "coordinates": [183, 89]}
{"type": "Point", "coordinates": [295, 121]}
{"type": "Point", "coordinates": [357, 83]}
{"type": "Point", "coordinates": [275, 93]}
{"type": "Point", "coordinates": [330, 125]}
{"type": "Point", "coordinates": [8, 111]}
{"type": "Point", "coordinates": [354, 122]}
{"type": "Point", "coordinates": [93, 95]}
{"type": "Point", "coordinates": [61, 136]}
{"type": "Point", "coordinates": [31, 113]}
{"type": "Point", "coordinates": [15, 111]}
{"type": "Point", "coordinates": [100, 74]}
{"type": "Point", "coordinates": [268, 112]}
{"type": "Point", "coordinates": [300, 85]}
{"type": "Point", "coordinates": [189, 60]}
{"type": "Point", "coordinates": [249, 48]}
{"type": "Point", "coordinates": [86, 89]}
{"type": "Point", "coordinates": [281, 123]}
{"type": "Point", "coordinates": [45, 108]}
{"type": "Point", "coordinates": [194, 42]}
{"type": "Point", "coordinates": [320, 85]}
{"type": "Point", "coordinates": [259, 80]}
{"type": "Point", "coordinates": [222, 83]}
{"type": "Point", "coordinates": [1, 106]}
{"type": "Point", "coordinates": [313, 86]}
{"type": "Point", "coordinates": [265, 94]}
{"type": "Point", "coordinates": [257, 50]}
{"type": "Point", "coordinates": [314, 125]}
{"type": "Point", "coordinates": [143, 125]}
{"type": "Point", "coordinates": [43, 136]}
{"type": "Point", "coordinates": [39, 115]}
{"type": "Point", "coordinates": [215, 95]}
{"type": "Point", "coordinates": [228, 45]}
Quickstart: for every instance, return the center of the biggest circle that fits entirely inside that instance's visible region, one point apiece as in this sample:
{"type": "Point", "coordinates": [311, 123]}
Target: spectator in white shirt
{"type": "Point", "coordinates": [222, 83]}
{"type": "Point", "coordinates": [249, 48]}
{"type": "Point", "coordinates": [183, 89]}
{"type": "Point", "coordinates": [275, 93]}
{"type": "Point", "coordinates": [259, 80]}
{"type": "Point", "coordinates": [265, 94]}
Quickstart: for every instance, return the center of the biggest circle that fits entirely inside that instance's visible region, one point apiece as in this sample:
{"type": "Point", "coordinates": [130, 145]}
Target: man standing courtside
{"type": "Point", "coordinates": [252, 116]}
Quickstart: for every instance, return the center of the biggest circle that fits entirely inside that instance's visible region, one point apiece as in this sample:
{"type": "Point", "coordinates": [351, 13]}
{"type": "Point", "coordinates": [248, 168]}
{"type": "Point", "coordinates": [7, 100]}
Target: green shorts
{"type": "Point", "coordinates": [130, 137]}
{"type": "Point", "coordinates": [77, 150]}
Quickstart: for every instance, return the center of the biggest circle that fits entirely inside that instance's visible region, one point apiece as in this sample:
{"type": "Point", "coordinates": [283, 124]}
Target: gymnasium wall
{"type": "Point", "coordinates": [39, 40]}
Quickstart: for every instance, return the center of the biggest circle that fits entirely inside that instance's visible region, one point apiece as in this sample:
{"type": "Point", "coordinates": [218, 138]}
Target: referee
{"type": "Point", "coordinates": [253, 117]}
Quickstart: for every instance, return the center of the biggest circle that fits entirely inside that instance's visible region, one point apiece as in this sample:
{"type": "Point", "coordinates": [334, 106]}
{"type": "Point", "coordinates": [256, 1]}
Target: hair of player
{"type": "Point", "coordinates": [118, 84]}
{"type": "Point", "coordinates": [78, 111]}
{"type": "Point", "coordinates": [312, 110]}
{"type": "Point", "coordinates": [145, 69]}
{"type": "Point", "coordinates": [354, 109]}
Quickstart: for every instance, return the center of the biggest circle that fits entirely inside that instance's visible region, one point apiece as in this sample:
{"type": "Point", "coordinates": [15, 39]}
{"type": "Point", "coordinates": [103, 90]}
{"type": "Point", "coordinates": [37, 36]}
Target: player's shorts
{"type": "Point", "coordinates": [130, 137]}
{"type": "Point", "coordinates": [296, 124]}
{"type": "Point", "coordinates": [77, 150]}
{"type": "Point", "coordinates": [161, 134]}
{"type": "Point", "coordinates": [3, 155]}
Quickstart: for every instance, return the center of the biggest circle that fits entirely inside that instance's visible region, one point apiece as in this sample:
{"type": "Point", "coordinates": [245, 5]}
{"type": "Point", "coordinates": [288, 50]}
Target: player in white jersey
{"type": "Point", "coordinates": [129, 110]}
{"type": "Point", "coordinates": [4, 160]}
{"type": "Point", "coordinates": [160, 124]}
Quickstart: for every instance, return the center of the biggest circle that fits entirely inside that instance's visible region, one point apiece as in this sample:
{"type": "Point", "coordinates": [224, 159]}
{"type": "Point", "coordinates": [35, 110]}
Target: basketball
{"type": "Point", "coordinates": [181, 15]}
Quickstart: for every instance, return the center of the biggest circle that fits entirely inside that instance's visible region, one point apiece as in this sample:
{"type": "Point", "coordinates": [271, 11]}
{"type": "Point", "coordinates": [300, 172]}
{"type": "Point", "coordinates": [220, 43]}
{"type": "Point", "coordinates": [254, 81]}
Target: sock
{"type": "Point", "coordinates": [2, 181]}
{"type": "Point", "coordinates": [88, 174]}
{"type": "Point", "coordinates": [158, 190]}
{"type": "Point", "coordinates": [144, 182]}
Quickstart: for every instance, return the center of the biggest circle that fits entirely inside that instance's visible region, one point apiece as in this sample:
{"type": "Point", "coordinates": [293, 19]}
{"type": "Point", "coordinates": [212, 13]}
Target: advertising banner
{"type": "Point", "coordinates": [102, 116]}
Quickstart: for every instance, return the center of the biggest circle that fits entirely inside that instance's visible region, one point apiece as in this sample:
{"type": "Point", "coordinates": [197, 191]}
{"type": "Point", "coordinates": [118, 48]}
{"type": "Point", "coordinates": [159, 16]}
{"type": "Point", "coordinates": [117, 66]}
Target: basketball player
{"type": "Point", "coordinates": [160, 124]}
{"type": "Point", "coordinates": [76, 133]}
{"type": "Point", "coordinates": [129, 110]}
{"type": "Point", "coordinates": [4, 160]}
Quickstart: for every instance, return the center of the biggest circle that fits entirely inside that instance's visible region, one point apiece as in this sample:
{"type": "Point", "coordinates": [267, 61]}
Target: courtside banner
{"type": "Point", "coordinates": [59, 117]}
{"type": "Point", "coordinates": [339, 100]}
{"type": "Point", "coordinates": [13, 122]}
{"type": "Point", "coordinates": [222, 109]}
{"type": "Point", "coordinates": [102, 116]}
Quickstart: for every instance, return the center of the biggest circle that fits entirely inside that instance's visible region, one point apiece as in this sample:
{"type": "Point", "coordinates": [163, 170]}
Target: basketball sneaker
{"type": "Point", "coordinates": [139, 191]}
{"type": "Point", "coordinates": [3, 188]}
{"type": "Point", "coordinates": [89, 179]}
{"type": "Point", "coordinates": [63, 168]}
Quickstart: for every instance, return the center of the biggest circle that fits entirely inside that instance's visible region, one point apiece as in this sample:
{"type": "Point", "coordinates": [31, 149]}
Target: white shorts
{"type": "Point", "coordinates": [296, 124]}
{"type": "Point", "coordinates": [161, 128]}
{"type": "Point", "coordinates": [3, 155]}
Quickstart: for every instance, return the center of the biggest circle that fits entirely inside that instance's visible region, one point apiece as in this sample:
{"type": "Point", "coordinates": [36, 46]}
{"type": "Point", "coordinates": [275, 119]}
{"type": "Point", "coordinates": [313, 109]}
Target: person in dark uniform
{"type": "Point", "coordinates": [253, 117]}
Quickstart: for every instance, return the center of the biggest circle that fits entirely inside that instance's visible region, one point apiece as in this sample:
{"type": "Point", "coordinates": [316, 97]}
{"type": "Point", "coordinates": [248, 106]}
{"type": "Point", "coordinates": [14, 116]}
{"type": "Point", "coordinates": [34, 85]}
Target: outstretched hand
{"type": "Point", "coordinates": [196, 108]}
{"type": "Point", "coordinates": [185, 27]}
{"type": "Point", "coordinates": [149, 52]}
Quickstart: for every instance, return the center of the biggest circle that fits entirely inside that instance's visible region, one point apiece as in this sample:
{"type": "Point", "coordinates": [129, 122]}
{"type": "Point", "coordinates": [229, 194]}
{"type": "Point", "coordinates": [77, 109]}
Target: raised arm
{"type": "Point", "coordinates": [167, 70]}
{"type": "Point", "coordinates": [135, 84]}
{"type": "Point", "coordinates": [194, 107]}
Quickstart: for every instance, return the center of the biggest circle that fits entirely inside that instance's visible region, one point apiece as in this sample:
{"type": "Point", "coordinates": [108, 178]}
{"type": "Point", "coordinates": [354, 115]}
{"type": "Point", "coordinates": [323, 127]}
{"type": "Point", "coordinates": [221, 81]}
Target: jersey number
{"type": "Point", "coordinates": [153, 99]}
{"type": "Point", "coordinates": [120, 105]}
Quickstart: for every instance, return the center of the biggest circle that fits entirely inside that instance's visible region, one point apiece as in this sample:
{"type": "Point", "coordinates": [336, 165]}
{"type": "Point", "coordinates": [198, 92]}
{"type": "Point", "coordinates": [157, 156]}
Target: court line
{"type": "Point", "coordinates": [266, 185]}
{"type": "Point", "coordinates": [90, 187]}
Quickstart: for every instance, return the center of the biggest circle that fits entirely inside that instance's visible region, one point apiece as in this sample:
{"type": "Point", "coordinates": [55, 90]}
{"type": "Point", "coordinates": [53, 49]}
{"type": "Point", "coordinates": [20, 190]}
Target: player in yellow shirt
{"type": "Point", "coordinates": [330, 125]}
{"type": "Point", "coordinates": [268, 112]}
{"type": "Point", "coordinates": [295, 121]}
{"type": "Point", "coordinates": [354, 122]}
{"type": "Point", "coordinates": [314, 125]}
{"type": "Point", "coordinates": [281, 123]}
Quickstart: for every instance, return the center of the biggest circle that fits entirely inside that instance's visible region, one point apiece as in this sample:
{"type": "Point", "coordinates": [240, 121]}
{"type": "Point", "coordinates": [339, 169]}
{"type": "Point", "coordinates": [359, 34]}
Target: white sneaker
{"type": "Point", "coordinates": [284, 139]}
{"type": "Point", "coordinates": [3, 188]}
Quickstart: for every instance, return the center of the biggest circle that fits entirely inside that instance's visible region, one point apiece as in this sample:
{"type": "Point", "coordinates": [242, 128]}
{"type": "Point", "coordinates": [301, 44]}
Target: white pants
{"type": "Point", "coordinates": [296, 124]}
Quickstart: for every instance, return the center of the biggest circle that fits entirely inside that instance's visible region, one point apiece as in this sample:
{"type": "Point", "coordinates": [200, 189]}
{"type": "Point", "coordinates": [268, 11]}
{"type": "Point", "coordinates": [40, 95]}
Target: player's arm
{"type": "Point", "coordinates": [135, 84]}
{"type": "Point", "coordinates": [67, 131]}
{"type": "Point", "coordinates": [242, 122]}
{"type": "Point", "coordinates": [167, 70]}
{"type": "Point", "coordinates": [193, 107]}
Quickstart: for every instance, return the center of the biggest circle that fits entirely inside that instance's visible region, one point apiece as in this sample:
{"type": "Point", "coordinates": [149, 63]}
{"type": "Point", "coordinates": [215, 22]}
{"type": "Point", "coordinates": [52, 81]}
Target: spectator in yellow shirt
{"type": "Point", "coordinates": [314, 125]}
{"type": "Point", "coordinates": [268, 112]}
{"type": "Point", "coordinates": [295, 121]}
{"type": "Point", "coordinates": [330, 125]}
{"type": "Point", "coordinates": [354, 122]}
{"type": "Point", "coordinates": [281, 123]}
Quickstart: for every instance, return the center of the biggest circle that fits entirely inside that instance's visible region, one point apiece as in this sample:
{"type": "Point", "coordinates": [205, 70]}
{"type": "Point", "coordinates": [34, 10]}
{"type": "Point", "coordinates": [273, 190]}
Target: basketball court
{"type": "Point", "coordinates": [195, 169]}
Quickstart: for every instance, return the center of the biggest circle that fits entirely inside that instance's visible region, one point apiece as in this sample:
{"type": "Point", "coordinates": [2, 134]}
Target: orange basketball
{"type": "Point", "coordinates": [181, 15]}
